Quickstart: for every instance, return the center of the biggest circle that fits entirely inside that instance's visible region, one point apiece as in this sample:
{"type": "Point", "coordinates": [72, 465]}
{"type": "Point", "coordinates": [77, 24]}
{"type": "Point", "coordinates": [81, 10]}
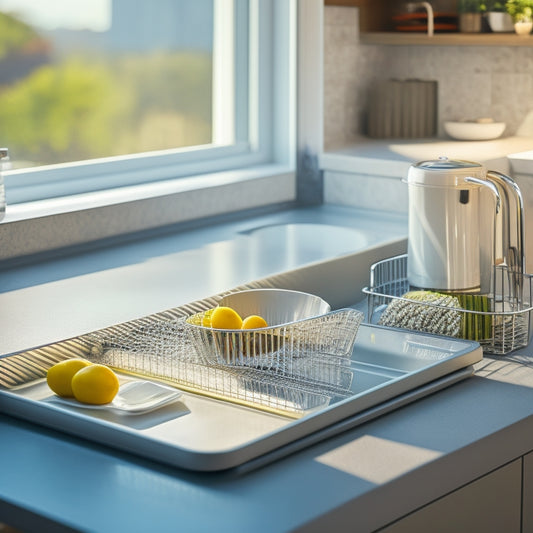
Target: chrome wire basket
{"type": "Point", "coordinates": [500, 320]}
{"type": "Point", "coordinates": [303, 326]}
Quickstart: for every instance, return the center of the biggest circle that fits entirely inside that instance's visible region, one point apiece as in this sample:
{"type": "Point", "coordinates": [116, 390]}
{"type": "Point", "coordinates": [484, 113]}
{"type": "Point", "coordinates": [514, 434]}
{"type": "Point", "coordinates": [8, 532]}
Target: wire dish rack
{"type": "Point", "coordinates": [500, 321]}
{"type": "Point", "coordinates": [291, 368]}
{"type": "Point", "coordinates": [304, 363]}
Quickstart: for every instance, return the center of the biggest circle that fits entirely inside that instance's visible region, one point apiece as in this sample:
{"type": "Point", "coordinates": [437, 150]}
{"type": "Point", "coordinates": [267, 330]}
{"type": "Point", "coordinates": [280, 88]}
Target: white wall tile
{"type": "Point", "coordinates": [366, 192]}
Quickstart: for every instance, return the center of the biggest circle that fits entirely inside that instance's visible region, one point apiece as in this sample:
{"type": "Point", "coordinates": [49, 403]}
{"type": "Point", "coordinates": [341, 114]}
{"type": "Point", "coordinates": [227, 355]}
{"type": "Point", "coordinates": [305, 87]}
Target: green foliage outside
{"type": "Point", "coordinates": [86, 107]}
{"type": "Point", "coordinates": [14, 34]}
{"type": "Point", "coordinates": [170, 101]}
{"type": "Point", "coordinates": [61, 113]}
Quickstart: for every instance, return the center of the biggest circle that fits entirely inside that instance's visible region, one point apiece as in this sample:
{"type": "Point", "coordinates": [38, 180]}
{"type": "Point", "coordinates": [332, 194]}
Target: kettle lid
{"type": "Point", "coordinates": [444, 172]}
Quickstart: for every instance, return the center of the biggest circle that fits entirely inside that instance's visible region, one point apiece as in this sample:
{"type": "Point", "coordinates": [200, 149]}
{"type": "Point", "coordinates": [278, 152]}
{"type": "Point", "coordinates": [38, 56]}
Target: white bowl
{"type": "Point", "coordinates": [474, 131]}
{"type": "Point", "coordinates": [301, 327]}
{"type": "Point", "coordinates": [276, 306]}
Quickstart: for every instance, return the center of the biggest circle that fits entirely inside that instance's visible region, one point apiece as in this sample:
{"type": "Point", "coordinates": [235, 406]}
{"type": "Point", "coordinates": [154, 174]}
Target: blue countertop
{"type": "Point", "coordinates": [360, 480]}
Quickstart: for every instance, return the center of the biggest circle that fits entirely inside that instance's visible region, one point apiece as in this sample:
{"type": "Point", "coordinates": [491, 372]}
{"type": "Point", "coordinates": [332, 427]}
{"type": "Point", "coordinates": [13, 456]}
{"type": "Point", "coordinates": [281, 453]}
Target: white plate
{"type": "Point", "coordinates": [133, 397]}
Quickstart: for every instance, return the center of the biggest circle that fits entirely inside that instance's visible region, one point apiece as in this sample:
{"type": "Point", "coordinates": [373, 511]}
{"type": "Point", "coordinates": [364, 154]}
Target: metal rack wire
{"type": "Point", "coordinates": [305, 371]}
{"type": "Point", "coordinates": [502, 327]}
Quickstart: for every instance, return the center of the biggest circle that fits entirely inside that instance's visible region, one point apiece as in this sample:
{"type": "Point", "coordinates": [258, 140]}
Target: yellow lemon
{"type": "Point", "coordinates": [59, 376]}
{"type": "Point", "coordinates": [206, 320]}
{"type": "Point", "coordinates": [253, 322]}
{"type": "Point", "coordinates": [95, 384]}
{"type": "Point", "coordinates": [225, 318]}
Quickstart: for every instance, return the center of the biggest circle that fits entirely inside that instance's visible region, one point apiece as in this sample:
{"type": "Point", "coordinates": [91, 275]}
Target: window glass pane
{"type": "Point", "coordinates": [84, 79]}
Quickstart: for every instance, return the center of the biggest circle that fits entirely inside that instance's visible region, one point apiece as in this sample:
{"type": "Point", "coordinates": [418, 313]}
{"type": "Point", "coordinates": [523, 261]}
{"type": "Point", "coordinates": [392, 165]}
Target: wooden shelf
{"type": "Point", "coordinates": [376, 27]}
{"type": "Point", "coordinates": [446, 39]}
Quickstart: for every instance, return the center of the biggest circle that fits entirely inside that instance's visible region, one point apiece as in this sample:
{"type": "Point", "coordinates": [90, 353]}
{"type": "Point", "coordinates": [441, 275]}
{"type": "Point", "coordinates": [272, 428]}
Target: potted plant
{"type": "Point", "coordinates": [470, 12]}
{"type": "Point", "coordinates": [521, 12]}
{"type": "Point", "coordinates": [497, 17]}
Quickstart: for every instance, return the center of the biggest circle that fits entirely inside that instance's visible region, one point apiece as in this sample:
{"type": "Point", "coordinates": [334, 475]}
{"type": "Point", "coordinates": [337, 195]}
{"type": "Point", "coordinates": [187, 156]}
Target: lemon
{"type": "Point", "coordinates": [60, 375]}
{"type": "Point", "coordinates": [95, 384]}
{"type": "Point", "coordinates": [206, 320]}
{"type": "Point", "coordinates": [225, 318]}
{"type": "Point", "coordinates": [253, 322]}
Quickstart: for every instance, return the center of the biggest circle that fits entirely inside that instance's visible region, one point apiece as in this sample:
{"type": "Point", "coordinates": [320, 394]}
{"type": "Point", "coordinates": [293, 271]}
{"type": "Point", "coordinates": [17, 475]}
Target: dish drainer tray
{"type": "Point", "coordinates": [390, 368]}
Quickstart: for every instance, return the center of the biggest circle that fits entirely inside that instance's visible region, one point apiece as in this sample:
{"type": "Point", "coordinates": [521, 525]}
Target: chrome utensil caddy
{"type": "Point", "coordinates": [507, 325]}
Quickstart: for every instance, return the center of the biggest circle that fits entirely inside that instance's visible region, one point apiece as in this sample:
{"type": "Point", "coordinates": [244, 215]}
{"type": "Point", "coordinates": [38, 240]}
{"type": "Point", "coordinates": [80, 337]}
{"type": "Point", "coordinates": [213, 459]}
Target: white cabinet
{"type": "Point", "coordinates": [491, 504]}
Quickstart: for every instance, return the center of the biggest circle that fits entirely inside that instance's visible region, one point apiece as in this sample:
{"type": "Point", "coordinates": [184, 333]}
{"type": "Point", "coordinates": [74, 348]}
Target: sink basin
{"type": "Point", "coordinates": [297, 243]}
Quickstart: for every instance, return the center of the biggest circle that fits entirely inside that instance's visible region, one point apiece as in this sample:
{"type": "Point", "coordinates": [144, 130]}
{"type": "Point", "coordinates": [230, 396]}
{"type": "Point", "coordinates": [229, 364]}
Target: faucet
{"type": "Point", "coordinates": [511, 249]}
{"type": "Point", "coordinates": [413, 6]}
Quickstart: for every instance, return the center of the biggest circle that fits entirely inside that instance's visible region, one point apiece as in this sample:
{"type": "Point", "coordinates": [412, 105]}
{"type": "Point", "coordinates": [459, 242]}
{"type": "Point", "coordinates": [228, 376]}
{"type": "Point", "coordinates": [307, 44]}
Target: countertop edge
{"type": "Point", "coordinates": [392, 158]}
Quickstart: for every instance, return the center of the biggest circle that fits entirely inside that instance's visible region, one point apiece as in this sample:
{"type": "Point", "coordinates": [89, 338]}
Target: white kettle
{"type": "Point", "coordinates": [462, 221]}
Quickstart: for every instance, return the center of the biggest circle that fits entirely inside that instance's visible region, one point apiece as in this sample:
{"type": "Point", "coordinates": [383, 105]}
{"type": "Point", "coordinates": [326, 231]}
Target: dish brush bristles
{"type": "Point", "coordinates": [441, 315]}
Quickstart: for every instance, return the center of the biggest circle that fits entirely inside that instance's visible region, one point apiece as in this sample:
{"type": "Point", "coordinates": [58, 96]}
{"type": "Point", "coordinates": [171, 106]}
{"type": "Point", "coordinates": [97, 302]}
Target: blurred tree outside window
{"type": "Point", "coordinates": [85, 79]}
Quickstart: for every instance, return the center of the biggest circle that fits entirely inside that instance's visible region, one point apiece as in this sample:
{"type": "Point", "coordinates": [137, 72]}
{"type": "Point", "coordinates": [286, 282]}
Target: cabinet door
{"type": "Point", "coordinates": [491, 504]}
{"type": "Point", "coordinates": [527, 494]}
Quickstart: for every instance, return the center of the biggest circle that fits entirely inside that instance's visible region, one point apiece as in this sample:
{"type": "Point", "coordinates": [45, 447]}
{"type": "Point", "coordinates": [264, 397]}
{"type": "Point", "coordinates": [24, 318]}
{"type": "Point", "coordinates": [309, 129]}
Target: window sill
{"type": "Point", "coordinates": [47, 225]}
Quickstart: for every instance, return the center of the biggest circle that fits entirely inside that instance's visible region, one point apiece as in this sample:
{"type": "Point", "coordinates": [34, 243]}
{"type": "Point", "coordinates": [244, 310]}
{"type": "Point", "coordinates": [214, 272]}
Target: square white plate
{"type": "Point", "coordinates": [133, 397]}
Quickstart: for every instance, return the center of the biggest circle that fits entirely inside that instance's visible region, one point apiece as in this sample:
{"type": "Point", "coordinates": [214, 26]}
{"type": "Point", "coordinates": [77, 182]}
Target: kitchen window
{"type": "Point", "coordinates": [277, 61]}
{"type": "Point", "coordinates": [112, 93]}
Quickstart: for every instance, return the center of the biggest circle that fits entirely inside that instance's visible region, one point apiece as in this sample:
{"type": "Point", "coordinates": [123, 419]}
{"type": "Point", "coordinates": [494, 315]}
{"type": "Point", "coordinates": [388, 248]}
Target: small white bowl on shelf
{"type": "Point", "coordinates": [479, 130]}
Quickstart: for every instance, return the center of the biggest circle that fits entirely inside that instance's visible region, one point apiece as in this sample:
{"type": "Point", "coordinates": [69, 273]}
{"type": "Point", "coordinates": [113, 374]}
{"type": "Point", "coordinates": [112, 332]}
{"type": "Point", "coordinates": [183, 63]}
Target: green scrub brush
{"type": "Point", "coordinates": [475, 326]}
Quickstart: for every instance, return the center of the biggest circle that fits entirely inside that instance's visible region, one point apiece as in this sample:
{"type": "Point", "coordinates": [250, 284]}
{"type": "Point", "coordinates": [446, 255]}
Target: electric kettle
{"type": "Point", "coordinates": [463, 220]}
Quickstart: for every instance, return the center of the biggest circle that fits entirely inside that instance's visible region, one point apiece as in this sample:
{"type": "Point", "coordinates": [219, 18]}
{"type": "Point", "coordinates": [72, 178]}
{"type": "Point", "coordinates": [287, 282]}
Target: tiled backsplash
{"type": "Point", "coordinates": [474, 81]}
